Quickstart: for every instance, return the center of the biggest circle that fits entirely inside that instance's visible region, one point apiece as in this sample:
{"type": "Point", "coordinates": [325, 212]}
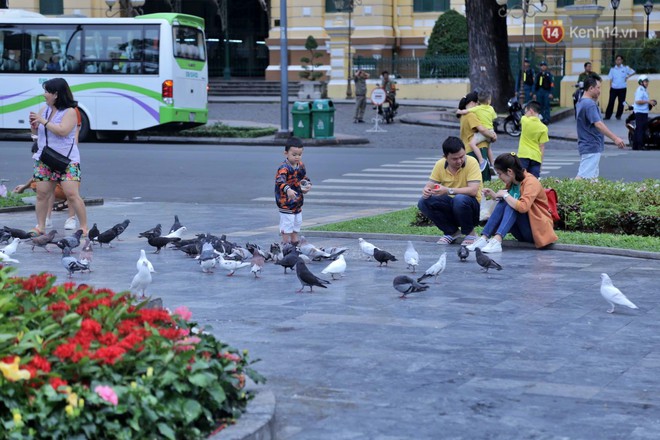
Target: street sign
{"type": "Point", "coordinates": [378, 96]}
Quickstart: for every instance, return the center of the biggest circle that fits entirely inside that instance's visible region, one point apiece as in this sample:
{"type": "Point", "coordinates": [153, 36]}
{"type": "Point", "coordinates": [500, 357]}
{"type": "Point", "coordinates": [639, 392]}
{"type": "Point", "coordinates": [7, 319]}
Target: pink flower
{"type": "Point", "coordinates": [106, 393]}
{"type": "Point", "coordinates": [183, 312]}
{"type": "Point", "coordinates": [184, 344]}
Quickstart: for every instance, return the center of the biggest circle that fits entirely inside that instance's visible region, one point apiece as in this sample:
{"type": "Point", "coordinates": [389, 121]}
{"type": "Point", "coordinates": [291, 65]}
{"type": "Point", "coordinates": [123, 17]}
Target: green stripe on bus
{"type": "Point", "coordinates": [178, 114]}
{"type": "Point", "coordinates": [190, 64]}
{"type": "Point", "coordinates": [184, 19]}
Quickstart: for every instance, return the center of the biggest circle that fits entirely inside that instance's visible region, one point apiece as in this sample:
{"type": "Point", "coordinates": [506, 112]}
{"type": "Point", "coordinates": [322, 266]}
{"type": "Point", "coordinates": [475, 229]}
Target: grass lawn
{"type": "Point", "coordinates": [221, 130]}
{"type": "Point", "coordinates": [399, 222]}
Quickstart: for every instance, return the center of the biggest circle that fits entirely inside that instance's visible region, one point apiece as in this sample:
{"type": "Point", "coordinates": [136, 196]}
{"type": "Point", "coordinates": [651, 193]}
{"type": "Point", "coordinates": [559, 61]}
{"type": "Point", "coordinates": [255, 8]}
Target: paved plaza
{"type": "Point", "coordinates": [525, 353]}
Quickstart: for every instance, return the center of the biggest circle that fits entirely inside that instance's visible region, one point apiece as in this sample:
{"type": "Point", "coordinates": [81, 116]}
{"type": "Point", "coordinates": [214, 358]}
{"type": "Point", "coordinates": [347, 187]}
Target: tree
{"type": "Point", "coordinates": [449, 35]}
{"type": "Point", "coordinates": [489, 51]}
{"type": "Point", "coordinates": [310, 63]}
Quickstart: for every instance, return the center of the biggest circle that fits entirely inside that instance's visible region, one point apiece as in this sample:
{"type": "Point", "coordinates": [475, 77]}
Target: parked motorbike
{"type": "Point", "coordinates": [512, 122]}
{"type": "Point", "coordinates": [577, 95]}
{"type": "Point", "coordinates": [652, 132]}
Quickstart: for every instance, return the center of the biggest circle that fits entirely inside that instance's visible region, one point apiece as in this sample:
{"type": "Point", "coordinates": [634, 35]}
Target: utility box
{"type": "Point", "coordinates": [302, 119]}
{"type": "Point", "coordinates": [323, 119]}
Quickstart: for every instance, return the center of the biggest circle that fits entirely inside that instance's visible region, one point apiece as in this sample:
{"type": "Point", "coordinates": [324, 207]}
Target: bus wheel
{"type": "Point", "coordinates": [85, 132]}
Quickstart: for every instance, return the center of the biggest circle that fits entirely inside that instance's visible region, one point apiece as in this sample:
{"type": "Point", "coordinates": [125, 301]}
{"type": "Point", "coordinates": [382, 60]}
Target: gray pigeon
{"type": "Point", "coordinates": [383, 256]}
{"type": "Point", "coordinates": [153, 232]}
{"type": "Point", "coordinates": [43, 240]}
{"type": "Point", "coordinates": [463, 253]}
{"type": "Point", "coordinates": [72, 241]}
{"type": "Point", "coordinates": [176, 225]}
{"type": "Point", "coordinates": [307, 278]}
{"type": "Point", "coordinates": [406, 285]}
{"type": "Point", "coordinates": [486, 262]}
{"type": "Point", "coordinates": [289, 260]}
{"type": "Point", "coordinates": [257, 262]}
{"type": "Point", "coordinates": [72, 264]}
{"type": "Point", "coordinates": [208, 259]}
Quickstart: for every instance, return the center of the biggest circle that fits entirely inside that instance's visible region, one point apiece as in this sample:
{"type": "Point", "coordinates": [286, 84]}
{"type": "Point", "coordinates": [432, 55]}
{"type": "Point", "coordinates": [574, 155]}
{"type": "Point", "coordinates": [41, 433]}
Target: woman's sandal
{"type": "Point", "coordinates": [34, 232]}
{"type": "Point", "coordinates": [446, 239]}
{"type": "Point", "coordinates": [60, 206]}
{"type": "Point", "coordinates": [468, 240]}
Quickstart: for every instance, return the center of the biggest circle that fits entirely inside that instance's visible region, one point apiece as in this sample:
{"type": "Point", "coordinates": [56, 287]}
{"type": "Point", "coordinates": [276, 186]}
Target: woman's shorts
{"type": "Point", "coordinates": [43, 173]}
{"type": "Point", "coordinates": [290, 223]}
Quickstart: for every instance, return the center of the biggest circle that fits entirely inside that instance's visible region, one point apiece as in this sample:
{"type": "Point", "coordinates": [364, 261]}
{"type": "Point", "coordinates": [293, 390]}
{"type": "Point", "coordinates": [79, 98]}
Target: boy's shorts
{"type": "Point", "coordinates": [589, 166]}
{"type": "Point", "coordinates": [479, 138]}
{"type": "Point", "coordinates": [290, 223]}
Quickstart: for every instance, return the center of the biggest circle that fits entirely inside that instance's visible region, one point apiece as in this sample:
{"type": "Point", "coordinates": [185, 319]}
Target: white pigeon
{"type": "Point", "coordinates": [7, 259]}
{"type": "Point", "coordinates": [141, 280]}
{"type": "Point", "coordinates": [613, 295]}
{"type": "Point", "coordinates": [366, 247]}
{"type": "Point", "coordinates": [411, 257]}
{"type": "Point", "coordinates": [435, 270]}
{"type": "Point", "coordinates": [10, 249]}
{"type": "Point", "coordinates": [143, 257]}
{"type": "Point", "coordinates": [336, 267]}
{"type": "Point", "coordinates": [232, 265]}
{"type": "Point", "coordinates": [176, 234]}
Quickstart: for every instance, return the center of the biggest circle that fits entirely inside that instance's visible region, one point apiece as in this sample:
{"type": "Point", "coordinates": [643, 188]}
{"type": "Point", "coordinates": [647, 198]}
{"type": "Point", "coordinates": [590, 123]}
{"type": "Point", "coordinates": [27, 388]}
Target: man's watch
{"type": "Point", "coordinates": [451, 191]}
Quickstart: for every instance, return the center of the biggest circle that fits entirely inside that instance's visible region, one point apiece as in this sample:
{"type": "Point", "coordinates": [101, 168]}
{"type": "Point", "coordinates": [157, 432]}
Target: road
{"type": "Point", "coordinates": [387, 172]}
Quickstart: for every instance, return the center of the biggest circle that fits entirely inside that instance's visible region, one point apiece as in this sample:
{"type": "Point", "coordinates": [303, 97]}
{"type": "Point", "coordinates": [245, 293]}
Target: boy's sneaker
{"type": "Point", "coordinates": [479, 243]}
{"type": "Point", "coordinates": [70, 223]}
{"type": "Point", "coordinates": [482, 165]}
{"type": "Point", "coordinates": [492, 247]}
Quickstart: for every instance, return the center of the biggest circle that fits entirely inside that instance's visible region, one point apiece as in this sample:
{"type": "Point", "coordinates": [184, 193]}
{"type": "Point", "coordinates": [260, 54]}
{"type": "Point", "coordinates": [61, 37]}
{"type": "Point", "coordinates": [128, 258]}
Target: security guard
{"type": "Point", "coordinates": [527, 78]}
{"type": "Point", "coordinates": [543, 91]}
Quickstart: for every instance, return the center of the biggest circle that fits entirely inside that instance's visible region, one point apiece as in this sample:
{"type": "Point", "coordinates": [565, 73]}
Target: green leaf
{"type": "Point", "coordinates": [217, 393]}
{"type": "Point", "coordinates": [71, 318]}
{"type": "Point", "coordinates": [166, 431]}
{"type": "Point", "coordinates": [201, 379]}
{"type": "Point", "coordinates": [191, 410]}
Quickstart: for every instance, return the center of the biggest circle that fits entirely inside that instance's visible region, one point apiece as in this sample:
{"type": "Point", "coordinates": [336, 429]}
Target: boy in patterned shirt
{"type": "Point", "coordinates": [291, 183]}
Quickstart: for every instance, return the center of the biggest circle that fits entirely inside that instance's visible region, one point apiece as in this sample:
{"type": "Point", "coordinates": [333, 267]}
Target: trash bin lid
{"type": "Point", "coordinates": [323, 105]}
{"type": "Point", "coordinates": [302, 107]}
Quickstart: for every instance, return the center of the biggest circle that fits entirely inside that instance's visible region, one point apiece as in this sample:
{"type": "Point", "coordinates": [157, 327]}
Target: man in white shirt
{"type": "Point", "coordinates": [641, 108]}
{"type": "Point", "coordinates": [619, 75]}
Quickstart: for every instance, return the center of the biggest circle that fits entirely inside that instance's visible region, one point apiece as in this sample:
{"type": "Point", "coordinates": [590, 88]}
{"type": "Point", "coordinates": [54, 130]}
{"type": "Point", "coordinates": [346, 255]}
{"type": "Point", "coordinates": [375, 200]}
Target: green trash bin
{"type": "Point", "coordinates": [302, 119]}
{"type": "Point", "coordinates": [323, 119]}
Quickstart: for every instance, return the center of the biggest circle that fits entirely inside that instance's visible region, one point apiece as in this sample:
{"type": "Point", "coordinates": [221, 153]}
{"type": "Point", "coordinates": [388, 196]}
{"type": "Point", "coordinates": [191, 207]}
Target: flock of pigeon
{"type": "Point", "coordinates": [211, 252]}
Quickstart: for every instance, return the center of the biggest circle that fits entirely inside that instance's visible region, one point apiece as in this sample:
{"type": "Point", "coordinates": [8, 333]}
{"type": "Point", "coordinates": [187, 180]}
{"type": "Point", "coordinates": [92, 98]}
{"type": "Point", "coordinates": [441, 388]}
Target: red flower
{"type": "Point", "coordinates": [108, 339]}
{"type": "Point", "coordinates": [109, 355]}
{"type": "Point", "coordinates": [90, 326]}
{"type": "Point", "coordinates": [56, 382]}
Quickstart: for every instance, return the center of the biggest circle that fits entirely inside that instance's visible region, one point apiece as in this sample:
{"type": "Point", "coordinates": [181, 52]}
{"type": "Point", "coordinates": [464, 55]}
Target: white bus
{"type": "Point", "coordinates": [127, 74]}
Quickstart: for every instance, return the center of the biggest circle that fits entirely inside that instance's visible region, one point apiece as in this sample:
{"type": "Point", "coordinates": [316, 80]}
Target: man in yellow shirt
{"type": "Point", "coordinates": [533, 136]}
{"type": "Point", "coordinates": [450, 199]}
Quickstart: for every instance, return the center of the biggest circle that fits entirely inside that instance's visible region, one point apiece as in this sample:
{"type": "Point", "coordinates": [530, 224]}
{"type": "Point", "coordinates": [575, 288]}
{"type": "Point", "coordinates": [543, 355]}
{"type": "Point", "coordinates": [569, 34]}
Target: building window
{"type": "Point", "coordinates": [430, 5]}
{"type": "Point", "coordinates": [562, 3]}
{"type": "Point", "coordinates": [641, 2]}
{"type": "Point", "coordinates": [51, 7]}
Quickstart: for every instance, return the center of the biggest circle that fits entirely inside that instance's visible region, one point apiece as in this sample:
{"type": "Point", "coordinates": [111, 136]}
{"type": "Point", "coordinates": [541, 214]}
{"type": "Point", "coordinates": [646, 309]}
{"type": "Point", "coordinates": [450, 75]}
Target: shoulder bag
{"type": "Point", "coordinates": [54, 160]}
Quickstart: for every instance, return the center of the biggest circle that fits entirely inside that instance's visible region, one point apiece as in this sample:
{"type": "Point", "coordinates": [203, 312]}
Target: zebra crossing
{"type": "Point", "coordinates": [390, 184]}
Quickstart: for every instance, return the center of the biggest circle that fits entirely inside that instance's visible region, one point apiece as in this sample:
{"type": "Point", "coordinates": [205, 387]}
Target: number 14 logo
{"type": "Point", "coordinates": [552, 31]}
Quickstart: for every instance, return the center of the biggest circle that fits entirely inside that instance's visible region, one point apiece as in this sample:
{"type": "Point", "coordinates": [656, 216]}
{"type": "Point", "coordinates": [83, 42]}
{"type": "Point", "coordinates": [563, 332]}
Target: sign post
{"type": "Point", "coordinates": [377, 97]}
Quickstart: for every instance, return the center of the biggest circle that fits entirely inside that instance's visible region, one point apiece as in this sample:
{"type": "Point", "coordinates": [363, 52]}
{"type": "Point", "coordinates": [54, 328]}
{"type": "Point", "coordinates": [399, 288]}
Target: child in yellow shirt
{"type": "Point", "coordinates": [533, 137]}
{"type": "Point", "coordinates": [486, 115]}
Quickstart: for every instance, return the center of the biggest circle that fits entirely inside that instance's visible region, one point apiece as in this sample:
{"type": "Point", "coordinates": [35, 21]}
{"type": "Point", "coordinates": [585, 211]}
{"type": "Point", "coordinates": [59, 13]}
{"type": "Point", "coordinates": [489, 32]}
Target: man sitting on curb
{"type": "Point", "coordinates": [450, 199]}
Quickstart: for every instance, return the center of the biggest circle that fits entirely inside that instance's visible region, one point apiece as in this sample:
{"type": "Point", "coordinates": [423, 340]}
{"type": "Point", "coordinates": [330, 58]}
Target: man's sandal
{"type": "Point", "coordinates": [446, 239]}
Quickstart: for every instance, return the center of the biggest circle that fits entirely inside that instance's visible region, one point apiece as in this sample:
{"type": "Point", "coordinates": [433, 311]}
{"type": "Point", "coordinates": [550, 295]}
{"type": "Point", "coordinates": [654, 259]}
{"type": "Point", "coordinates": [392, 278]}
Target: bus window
{"type": "Point", "coordinates": [53, 48]}
{"type": "Point", "coordinates": [10, 49]}
{"type": "Point", "coordinates": [189, 43]}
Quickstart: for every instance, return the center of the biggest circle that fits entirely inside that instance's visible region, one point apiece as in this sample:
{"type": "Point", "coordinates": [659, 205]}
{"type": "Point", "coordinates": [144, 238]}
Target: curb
{"type": "Point", "coordinates": [88, 202]}
{"type": "Point", "coordinates": [257, 423]}
{"type": "Point", "coordinates": [507, 244]}
{"type": "Point", "coordinates": [268, 141]}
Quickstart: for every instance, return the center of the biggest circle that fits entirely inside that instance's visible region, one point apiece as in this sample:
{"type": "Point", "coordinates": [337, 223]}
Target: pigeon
{"type": "Point", "coordinates": [383, 257]}
{"type": "Point", "coordinates": [232, 265]}
{"type": "Point", "coordinates": [337, 267]}
{"type": "Point", "coordinates": [106, 237]}
{"type": "Point", "coordinates": [406, 285]}
{"type": "Point", "coordinates": [486, 262]}
{"type": "Point", "coordinates": [7, 259]}
{"type": "Point", "coordinates": [17, 233]}
{"type": "Point", "coordinates": [255, 249]}
{"type": "Point", "coordinates": [72, 241]}
{"type": "Point", "coordinates": [10, 249]}
{"type": "Point", "coordinates": [208, 258]}
{"type": "Point", "coordinates": [306, 248]}
{"type": "Point", "coordinates": [289, 260]}
{"type": "Point", "coordinates": [613, 295]}
{"type": "Point", "coordinates": [176, 225]}
{"type": "Point", "coordinates": [276, 252]}
{"type": "Point", "coordinates": [43, 240]}
{"type": "Point", "coordinates": [334, 252]}
{"type": "Point", "coordinates": [153, 232]}
{"type": "Point", "coordinates": [307, 278]}
{"type": "Point", "coordinates": [121, 227]}
{"type": "Point", "coordinates": [192, 249]}
{"type": "Point", "coordinates": [239, 253]}
{"type": "Point", "coordinates": [160, 242]}
{"type": "Point", "coordinates": [72, 264]}
{"type": "Point", "coordinates": [411, 257]}
{"type": "Point", "coordinates": [463, 253]}
{"type": "Point", "coordinates": [257, 261]}
{"type": "Point", "coordinates": [436, 269]}
{"type": "Point", "coordinates": [4, 236]}
{"type": "Point", "coordinates": [287, 248]}
{"type": "Point", "coordinates": [141, 280]}
{"type": "Point", "coordinates": [366, 247]}
{"type": "Point", "coordinates": [176, 234]}
{"type": "Point", "coordinates": [86, 253]}
{"type": "Point", "coordinates": [93, 233]}
{"type": "Point", "coordinates": [143, 257]}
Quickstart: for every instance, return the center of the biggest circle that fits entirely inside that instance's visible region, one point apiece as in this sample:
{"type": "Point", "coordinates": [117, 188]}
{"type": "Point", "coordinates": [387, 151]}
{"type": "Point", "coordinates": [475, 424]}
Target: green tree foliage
{"type": "Point", "coordinates": [449, 36]}
{"type": "Point", "coordinates": [310, 63]}
{"type": "Point", "coordinates": [643, 56]}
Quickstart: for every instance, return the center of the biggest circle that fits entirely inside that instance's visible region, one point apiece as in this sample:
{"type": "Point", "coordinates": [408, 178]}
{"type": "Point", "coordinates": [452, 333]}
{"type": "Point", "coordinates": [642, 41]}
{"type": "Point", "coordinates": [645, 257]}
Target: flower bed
{"type": "Point", "coordinates": [79, 362]}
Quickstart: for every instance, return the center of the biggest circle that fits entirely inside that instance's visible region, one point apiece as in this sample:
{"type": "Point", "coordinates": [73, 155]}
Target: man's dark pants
{"type": "Point", "coordinates": [450, 214]}
{"type": "Point", "coordinates": [641, 121]}
{"type": "Point", "coordinates": [619, 94]}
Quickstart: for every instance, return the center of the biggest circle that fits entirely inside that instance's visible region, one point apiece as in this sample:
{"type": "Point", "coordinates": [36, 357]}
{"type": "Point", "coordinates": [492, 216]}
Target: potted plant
{"type": "Point", "coordinates": [79, 362]}
{"type": "Point", "coordinates": [313, 88]}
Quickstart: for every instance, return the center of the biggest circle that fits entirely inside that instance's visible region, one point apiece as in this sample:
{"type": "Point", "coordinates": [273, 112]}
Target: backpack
{"type": "Point", "coordinates": [551, 194]}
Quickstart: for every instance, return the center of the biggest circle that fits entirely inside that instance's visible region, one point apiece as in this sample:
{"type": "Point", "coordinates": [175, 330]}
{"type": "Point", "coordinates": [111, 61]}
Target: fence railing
{"type": "Point", "coordinates": [446, 66]}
